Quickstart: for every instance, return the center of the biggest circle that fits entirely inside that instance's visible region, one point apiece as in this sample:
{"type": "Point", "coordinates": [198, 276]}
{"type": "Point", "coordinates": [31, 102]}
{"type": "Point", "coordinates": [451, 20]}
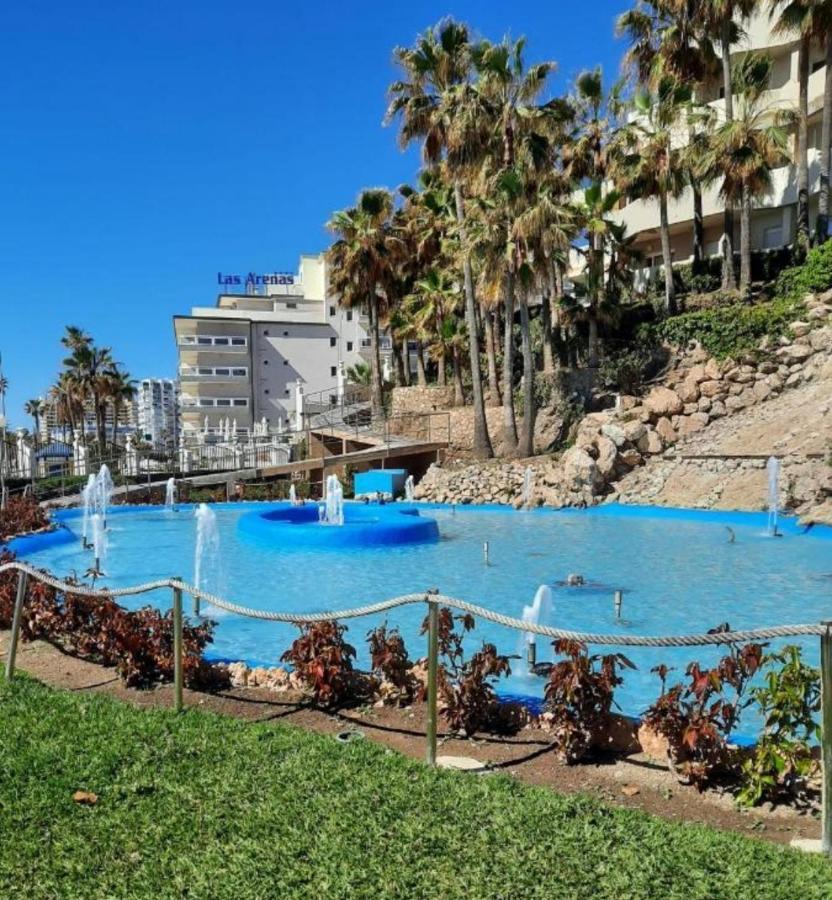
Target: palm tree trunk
{"type": "Point", "coordinates": [376, 391]}
{"type": "Point", "coordinates": [592, 347]}
{"type": "Point", "coordinates": [491, 354]}
{"type": "Point", "coordinates": [421, 374]}
{"type": "Point", "coordinates": [802, 146]}
{"type": "Point", "coordinates": [526, 444]}
{"type": "Point", "coordinates": [482, 442]}
{"type": "Point", "coordinates": [825, 150]}
{"type": "Point", "coordinates": [546, 322]}
{"type": "Point", "coordinates": [441, 377]}
{"type": "Point", "coordinates": [698, 229]}
{"type": "Point", "coordinates": [399, 358]}
{"type": "Point", "coordinates": [745, 238]}
{"type": "Point", "coordinates": [667, 255]}
{"type": "Point", "coordinates": [459, 392]}
{"type": "Point", "coordinates": [509, 418]}
{"type": "Point", "coordinates": [729, 281]}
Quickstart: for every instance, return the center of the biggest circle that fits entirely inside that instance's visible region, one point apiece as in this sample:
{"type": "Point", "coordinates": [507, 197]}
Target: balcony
{"type": "Point", "coordinates": [213, 373]}
{"type": "Point", "coordinates": [214, 343]}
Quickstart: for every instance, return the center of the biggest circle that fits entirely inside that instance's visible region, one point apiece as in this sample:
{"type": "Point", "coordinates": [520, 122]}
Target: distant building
{"type": "Point", "coordinates": [52, 429]}
{"type": "Point", "coordinates": [157, 403]}
{"type": "Point", "coordinates": [244, 359]}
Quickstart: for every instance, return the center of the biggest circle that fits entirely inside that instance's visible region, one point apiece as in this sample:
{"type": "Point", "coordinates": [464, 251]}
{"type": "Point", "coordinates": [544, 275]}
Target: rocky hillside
{"type": "Point", "coordinates": [700, 438]}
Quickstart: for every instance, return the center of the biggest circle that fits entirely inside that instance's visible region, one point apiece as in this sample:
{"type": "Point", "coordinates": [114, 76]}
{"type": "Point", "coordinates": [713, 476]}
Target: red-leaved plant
{"type": "Point", "coordinates": [467, 700]}
{"type": "Point", "coordinates": [579, 696]}
{"type": "Point", "coordinates": [21, 515]}
{"type": "Point", "coordinates": [697, 718]}
{"type": "Point", "coordinates": [390, 663]}
{"type": "Point", "coordinates": [322, 660]}
{"type": "Point", "coordinates": [138, 643]}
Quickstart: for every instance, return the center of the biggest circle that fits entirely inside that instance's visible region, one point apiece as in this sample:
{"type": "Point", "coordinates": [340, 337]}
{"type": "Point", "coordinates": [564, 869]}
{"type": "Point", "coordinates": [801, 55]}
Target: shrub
{"type": "Point", "coordinates": [139, 644]}
{"type": "Point", "coordinates": [782, 760]}
{"type": "Point", "coordinates": [322, 660]}
{"type": "Point", "coordinates": [579, 695]}
{"type": "Point", "coordinates": [727, 330]}
{"type": "Point", "coordinates": [468, 702]}
{"type": "Point", "coordinates": [814, 276]}
{"type": "Point", "coordinates": [20, 516]}
{"type": "Point", "coordinates": [696, 718]}
{"type": "Point", "coordinates": [625, 372]}
{"type": "Point", "coordinates": [390, 663]}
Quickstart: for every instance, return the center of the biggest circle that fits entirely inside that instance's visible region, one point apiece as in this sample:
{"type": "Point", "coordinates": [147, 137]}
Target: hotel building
{"type": "Point", "coordinates": [773, 221]}
{"type": "Point", "coordinates": [245, 358]}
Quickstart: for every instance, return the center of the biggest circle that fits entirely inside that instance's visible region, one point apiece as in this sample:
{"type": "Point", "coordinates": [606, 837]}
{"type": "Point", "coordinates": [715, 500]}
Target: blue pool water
{"type": "Point", "coordinates": [678, 571]}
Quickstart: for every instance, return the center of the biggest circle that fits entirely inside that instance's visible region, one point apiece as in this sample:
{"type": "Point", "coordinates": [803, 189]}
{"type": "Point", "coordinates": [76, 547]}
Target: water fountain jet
{"type": "Point", "coordinates": [773, 470]}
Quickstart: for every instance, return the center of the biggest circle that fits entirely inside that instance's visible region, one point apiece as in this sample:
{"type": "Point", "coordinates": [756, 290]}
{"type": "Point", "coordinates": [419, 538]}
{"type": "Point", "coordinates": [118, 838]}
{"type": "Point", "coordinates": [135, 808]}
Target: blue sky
{"type": "Point", "coordinates": [146, 146]}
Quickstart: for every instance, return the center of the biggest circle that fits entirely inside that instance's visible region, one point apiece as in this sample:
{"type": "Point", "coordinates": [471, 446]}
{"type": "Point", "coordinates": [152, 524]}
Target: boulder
{"type": "Point", "coordinates": [693, 423]}
{"type": "Point", "coordinates": [662, 401]}
{"type": "Point", "coordinates": [761, 390]}
{"type": "Point", "coordinates": [666, 431]}
{"type": "Point", "coordinates": [650, 442]}
{"type": "Point", "coordinates": [712, 370]}
{"type": "Point", "coordinates": [633, 431]}
{"type": "Point", "coordinates": [631, 458]}
{"type": "Point", "coordinates": [607, 453]}
{"type": "Point", "coordinates": [717, 410]}
{"type": "Point", "coordinates": [615, 433]}
{"type": "Point", "coordinates": [711, 388]}
{"type": "Point", "coordinates": [821, 338]}
{"type": "Point", "coordinates": [580, 470]}
{"type": "Point", "coordinates": [688, 390]}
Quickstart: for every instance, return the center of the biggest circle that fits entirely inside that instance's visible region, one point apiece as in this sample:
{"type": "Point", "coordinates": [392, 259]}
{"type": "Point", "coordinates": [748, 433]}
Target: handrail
{"type": "Point", "coordinates": [683, 640]}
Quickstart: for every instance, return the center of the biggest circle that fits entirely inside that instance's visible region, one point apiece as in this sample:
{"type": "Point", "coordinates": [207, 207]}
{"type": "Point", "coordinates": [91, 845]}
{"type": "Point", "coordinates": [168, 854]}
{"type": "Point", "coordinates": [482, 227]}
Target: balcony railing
{"type": "Point", "coordinates": [214, 343]}
{"type": "Point", "coordinates": [213, 373]}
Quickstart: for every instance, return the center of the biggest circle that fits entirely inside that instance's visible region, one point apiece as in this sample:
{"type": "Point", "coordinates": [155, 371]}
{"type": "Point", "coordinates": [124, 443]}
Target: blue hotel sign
{"type": "Point", "coordinates": [252, 279]}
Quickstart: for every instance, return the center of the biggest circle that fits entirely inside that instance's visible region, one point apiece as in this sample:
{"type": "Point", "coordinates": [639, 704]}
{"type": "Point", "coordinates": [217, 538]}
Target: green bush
{"type": "Point", "coordinates": [782, 760]}
{"type": "Point", "coordinates": [814, 276]}
{"type": "Point", "coordinates": [727, 330]}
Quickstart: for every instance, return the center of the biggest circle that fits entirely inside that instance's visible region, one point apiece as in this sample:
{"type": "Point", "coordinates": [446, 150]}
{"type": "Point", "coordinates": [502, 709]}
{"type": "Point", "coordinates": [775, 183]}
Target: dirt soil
{"type": "Point", "coordinates": [635, 781]}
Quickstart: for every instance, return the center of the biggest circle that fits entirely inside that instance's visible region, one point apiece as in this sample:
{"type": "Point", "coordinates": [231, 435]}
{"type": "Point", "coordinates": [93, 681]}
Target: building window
{"type": "Point", "coordinates": [285, 362]}
{"type": "Point", "coordinates": [265, 362]}
{"type": "Point", "coordinates": [285, 334]}
{"type": "Point", "coordinates": [349, 346]}
{"type": "Point", "coordinates": [287, 392]}
{"type": "Point", "coordinates": [266, 332]}
{"type": "Point", "coordinates": [266, 391]}
{"type": "Point", "coordinates": [332, 310]}
{"type": "Point", "coordinates": [238, 342]}
{"type": "Point", "coordinates": [772, 237]}
{"type": "Point", "coordinates": [241, 403]}
{"type": "Point", "coordinates": [239, 373]}
{"type": "Point", "coordinates": [349, 315]}
{"type": "Point", "coordinates": [291, 306]}
{"type": "Point", "coordinates": [333, 341]}
{"type": "Point", "coordinates": [333, 371]}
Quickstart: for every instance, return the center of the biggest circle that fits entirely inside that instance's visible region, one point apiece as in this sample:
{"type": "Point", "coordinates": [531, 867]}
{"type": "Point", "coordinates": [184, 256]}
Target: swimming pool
{"type": "Point", "coordinates": [678, 570]}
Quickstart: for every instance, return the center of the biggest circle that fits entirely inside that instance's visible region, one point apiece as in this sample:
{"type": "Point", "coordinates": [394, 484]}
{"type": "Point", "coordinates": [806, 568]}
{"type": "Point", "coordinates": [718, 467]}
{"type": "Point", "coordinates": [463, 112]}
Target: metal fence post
{"type": "Point", "coordinates": [433, 662]}
{"type": "Point", "coordinates": [22, 578]}
{"type": "Point", "coordinates": [177, 647]}
{"type": "Point", "coordinates": [826, 736]}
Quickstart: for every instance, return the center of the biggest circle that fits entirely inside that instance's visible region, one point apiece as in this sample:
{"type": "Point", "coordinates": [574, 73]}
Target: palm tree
{"type": "Point", "coordinates": [359, 374]}
{"type": "Point", "coordinates": [35, 409]}
{"type": "Point", "coordinates": [120, 389]}
{"type": "Point", "coordinates": [809, 20]}
{"type": "Point", "coordinates": [435, 102]}
{"type": "Point", "coordinates": [667, 39]}
{"type": "Point", "coordinates": [88, 367]}
{"type": "Point", "coordinates": [648, 163]}
{"type": "Point", "coordinates": [723, 19]}
{"type": "Point", "coordinates": [434, 307]}
{"type": "Point", "coordinates": [595, 215]}
{"type": "Point", "coordinates": [746, 149]}
{"type": "Point", "coordinates": [361, 268]}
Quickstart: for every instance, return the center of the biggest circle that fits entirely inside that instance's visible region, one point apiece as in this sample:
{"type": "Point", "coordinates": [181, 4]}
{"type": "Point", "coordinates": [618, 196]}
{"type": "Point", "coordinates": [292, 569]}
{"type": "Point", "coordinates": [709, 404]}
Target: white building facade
{"type": "Point", "coordinates": [157, 402]}
{"type": "Point", "coordinates": [247, 358]}
{"type": "Point", "coordinates": [773, 220]}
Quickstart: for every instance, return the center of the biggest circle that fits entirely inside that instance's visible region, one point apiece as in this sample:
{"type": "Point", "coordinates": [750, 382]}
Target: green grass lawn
{"type": "Point", "coordinates": [203, 806]}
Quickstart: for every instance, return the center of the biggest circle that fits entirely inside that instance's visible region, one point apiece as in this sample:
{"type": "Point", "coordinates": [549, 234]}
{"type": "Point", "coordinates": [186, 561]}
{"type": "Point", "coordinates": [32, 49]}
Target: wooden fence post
{"type": "Point", "coordinates": [826, 736]}
{"type": "Point", "coordinates": [177, 647]}
{"type": "Point", "coordinates": [433, 663]}
{"type": "Point", "coordinates": [22, 579]}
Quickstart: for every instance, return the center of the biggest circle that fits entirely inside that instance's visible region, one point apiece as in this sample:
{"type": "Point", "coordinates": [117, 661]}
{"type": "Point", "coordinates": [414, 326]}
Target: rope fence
{"type": "Point", "coordinates": [433, 601]}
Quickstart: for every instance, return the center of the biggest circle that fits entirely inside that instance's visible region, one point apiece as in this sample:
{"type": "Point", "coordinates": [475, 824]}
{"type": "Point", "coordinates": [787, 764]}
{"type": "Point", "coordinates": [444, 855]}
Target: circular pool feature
{"type": "Point", "coordinates": [365, 525]}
